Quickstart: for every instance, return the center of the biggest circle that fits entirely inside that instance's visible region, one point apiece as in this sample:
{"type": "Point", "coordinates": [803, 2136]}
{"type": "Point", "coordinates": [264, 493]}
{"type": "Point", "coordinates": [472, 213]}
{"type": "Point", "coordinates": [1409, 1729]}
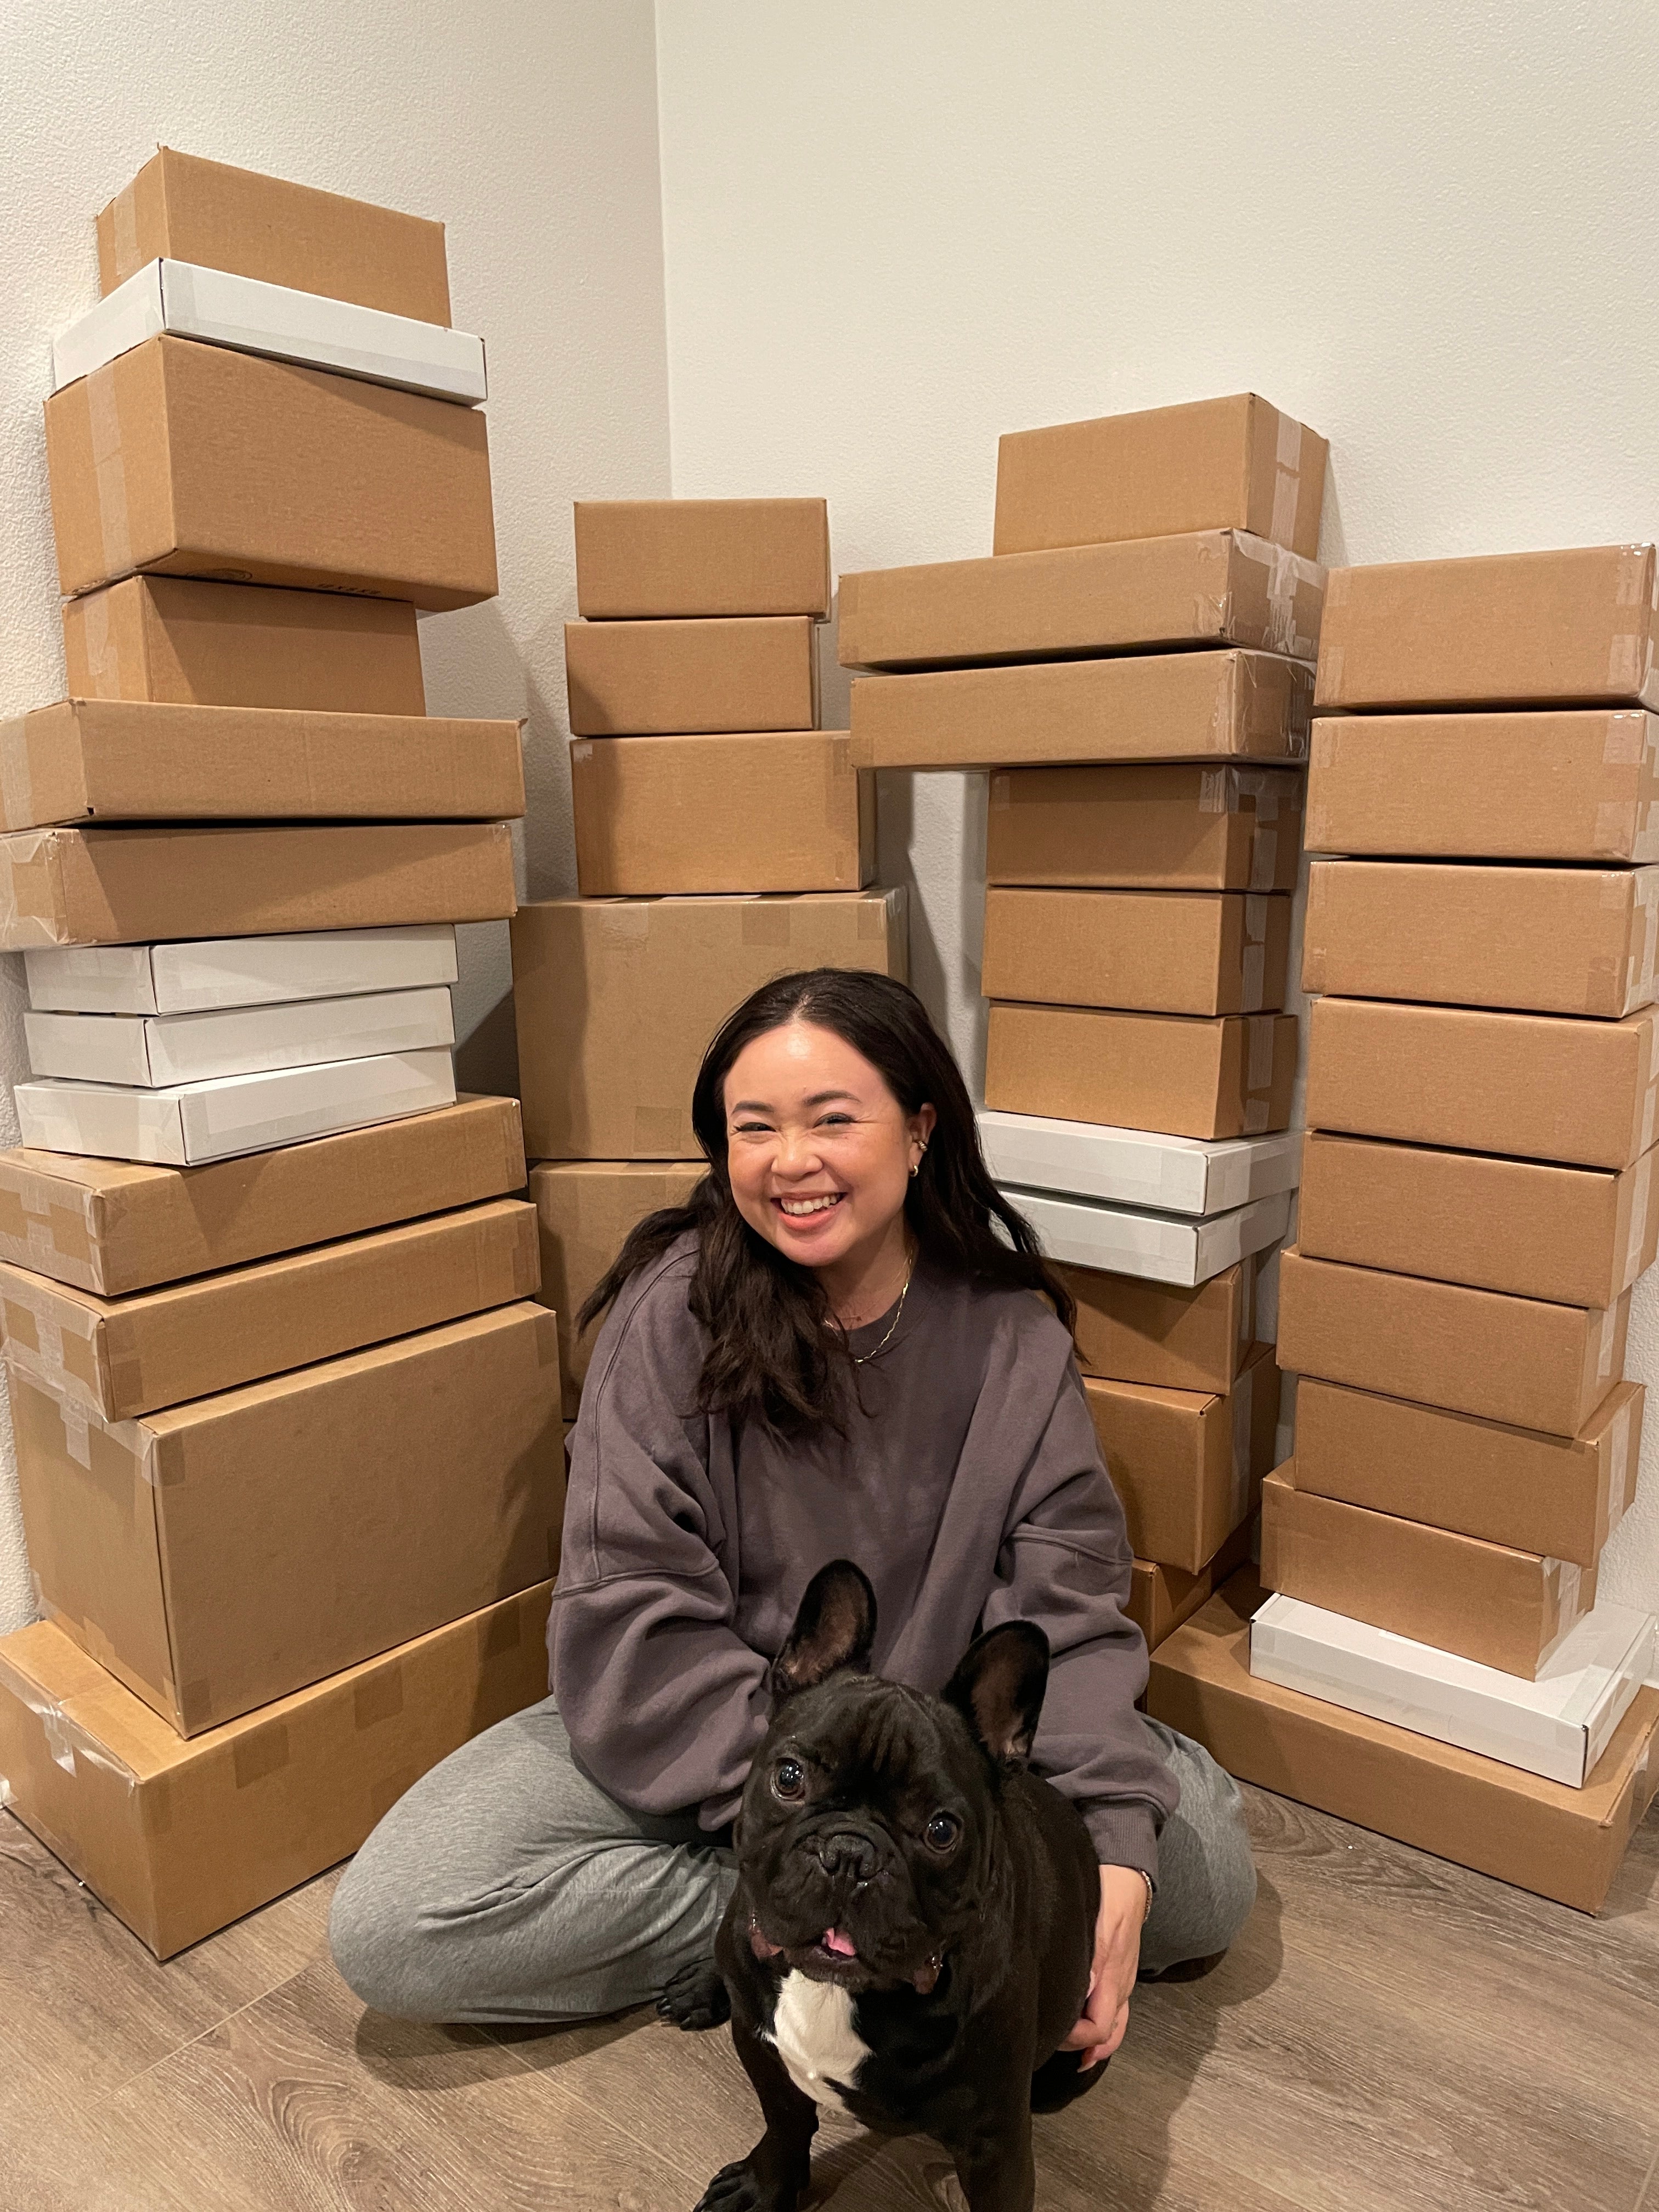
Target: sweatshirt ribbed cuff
{"type": "Point", "coordinates": [1124, 1835]}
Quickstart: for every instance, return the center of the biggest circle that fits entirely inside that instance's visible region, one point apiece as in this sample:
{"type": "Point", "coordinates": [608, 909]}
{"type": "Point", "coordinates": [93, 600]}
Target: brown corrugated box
{"type": "Point", "coordinates": [1498, 630]}
{"type": "Point", "coordinates": [1170, 952]}
{"type": "Point", "coordinates": [586, 1209]}
{"type": "Point", "coordinates": [1215, 587]}
{"type": "Point", "coordinates": [1535, 1087]}
{"type": "Point", "coordinates": [179, 208]}
{"type": "Point", "coordinates": [1163, 1333]}
{"type": "Point", "coordinates": [113, 1227]}
{"type": "Point", "coordinates": [661, 559]}
{"type": "Point", "coordinates": [197, 460]}
{"type": "Point", "coordinates": [1230, 1077]}
{"type": "Point", "coordinates": [1559, 1496]}
{"type": "Point", "coordinates": [227, 1552]}
{"type": "Point", "coordinates": [1547, 787]}
{"type": "Point", "coordinates": [129, 886]}
{"type": "Point", "coordinates": [1161, 1598]}
{"type": "Point", "coordinates": [1538, 940]}
{"type": "Point", "coordinates": [780, 811]}
{"type": "Point", "coordinates": [1562, 1843]}
{"type": "Point", "coordinates": [617, 1001]}
{"type": "Point", "coordinates": [1186, 1464]}
{"type": "Point", "coordinates": [1578, 1236]}
{"type": "Point", "coordinates": [1167, 827]}
{"type": "Point", "coordinates": [114, 760]}
{"type": "Point", "coordinates": [645, 678]}
{"type": "Point", "coordinates": [1523, 1360]}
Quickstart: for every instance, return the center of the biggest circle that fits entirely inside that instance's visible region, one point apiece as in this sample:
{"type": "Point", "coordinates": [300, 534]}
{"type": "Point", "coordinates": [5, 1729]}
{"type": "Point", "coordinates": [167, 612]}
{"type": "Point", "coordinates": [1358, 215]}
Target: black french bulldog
{"type": "Point", "coordinates": [912, 1932]}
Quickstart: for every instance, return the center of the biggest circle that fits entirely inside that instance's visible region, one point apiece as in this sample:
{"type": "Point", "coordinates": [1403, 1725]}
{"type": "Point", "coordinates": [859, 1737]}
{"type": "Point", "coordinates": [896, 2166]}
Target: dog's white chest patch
{"type": "Point", "coordinates": [813, 2032]}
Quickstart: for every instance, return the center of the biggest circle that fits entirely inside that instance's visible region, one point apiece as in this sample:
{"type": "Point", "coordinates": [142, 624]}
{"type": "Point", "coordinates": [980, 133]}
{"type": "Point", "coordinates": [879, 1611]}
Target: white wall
{"type": "Point", "coordinates": [898, 227]}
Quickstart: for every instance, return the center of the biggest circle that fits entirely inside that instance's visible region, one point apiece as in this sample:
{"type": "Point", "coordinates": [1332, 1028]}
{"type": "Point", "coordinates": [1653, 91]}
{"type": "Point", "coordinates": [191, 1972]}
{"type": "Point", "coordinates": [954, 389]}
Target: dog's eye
{"type": "Point", "coordinates": [942, 1831]}
{"type": "Point", "coordinates": [789, 1778]}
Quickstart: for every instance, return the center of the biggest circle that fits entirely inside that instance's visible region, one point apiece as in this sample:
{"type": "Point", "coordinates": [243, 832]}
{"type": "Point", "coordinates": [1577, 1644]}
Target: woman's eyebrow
{"type": "Point", "coordinates": [818, 1098]}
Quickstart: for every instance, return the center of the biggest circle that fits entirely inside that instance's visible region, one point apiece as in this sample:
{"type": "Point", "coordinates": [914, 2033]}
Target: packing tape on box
{"type": "Point", "coordinates": [1241, 1398]}
{"type": "Point", "coordinates": [1605, 1340]}
{"type": "Point", "coordinates": [1287, 573]}
{"type": "Point", "coordinates": [67, 1741]}
{"type": "Point", "coordinates": [1618, 831]}
{"type": "Point", "coordinates": [1253, 985]}
{"type": "Point", "coordinates": [1264, 858]}
{"type": "Point", "coordinates": [1261, 1040]}
{"type": "Point", "coordinates": [16, 790]}
{"type": "Point", "coordinates": [1643, 959]}
{"type": "Point", "coordinates": [124, 223]}
{"type": "Point", "coordinates": [28, 870]}
{"type": "Point", "coordinates": [1629, 740]}
{"type": "Point", "coordinates": [102, 644]}
{"type": "Point", "coordinates": [109, 471]}
{"type": "Point", "coordinates": [1621, 1436]}
{"type": "Point", "coordinates": [1641, 1198]}
{"type": "Point", "coordinates": [1287, 480]}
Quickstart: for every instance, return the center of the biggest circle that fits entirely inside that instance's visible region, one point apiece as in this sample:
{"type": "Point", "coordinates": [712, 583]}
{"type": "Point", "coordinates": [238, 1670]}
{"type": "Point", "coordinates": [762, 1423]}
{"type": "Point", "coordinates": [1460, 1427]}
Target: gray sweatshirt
{"type": "Point", "coordinates": [969, 1487]}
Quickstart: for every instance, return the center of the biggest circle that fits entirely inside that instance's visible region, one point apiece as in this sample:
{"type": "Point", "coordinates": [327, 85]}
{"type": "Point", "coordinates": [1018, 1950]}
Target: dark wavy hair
{"type": "Point", "coordinates": [775, 1351]}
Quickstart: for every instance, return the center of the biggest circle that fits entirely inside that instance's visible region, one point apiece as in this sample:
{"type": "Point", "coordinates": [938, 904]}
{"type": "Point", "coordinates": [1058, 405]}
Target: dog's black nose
{"type": "Point", "coordinates": [847, 1852]}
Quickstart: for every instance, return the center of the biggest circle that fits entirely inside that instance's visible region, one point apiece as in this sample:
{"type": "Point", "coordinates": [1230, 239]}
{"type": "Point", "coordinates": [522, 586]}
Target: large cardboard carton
{"type": "Point", "coordinates": [1186, 1464]}
{"type": "Point", "coordinates": [1161, 1598]}
{"type": "Point", "coordinates": [197, 461]}
{"type": "Point", "coordinates": [1562, 1843]}
{"type": "Point", "coordinates": [183, 209]}
{"type": "Point", "coordinates": [1230, 1077]}
{"type": "Point", "coordinates": [1578, 1236]}
{"type": "Point", "coordinates": [627, 678]}
{"type": "Point", "coordinates": [179, 1836]}
{"type": "Point", "coordinates": [112, 1228]}
{"type": "Point", "coordinates": [1570, 785]}
{"type": "Point", "coordinates": [782, 812]}
{"type": "Point", "coordinates": [1541, 941]}
{"type": "Point", "coordinates": [1212, 464]}
{"type": "Point", "coordinates": [1535, 1087]}
{"type": "Point", "coordinates": [658, 560]}
{"type": "Point", "coordinates": [1137, 1167]}
{"type": "Point", "coordinates": [1168, 1249]}
{"type": "Point", "coordinates": [1138, 707]}
{"type": "Point", "coordinates": [1159, 1333]}
{"type": "Point", "coordinates": [1150, 829]}
{"type": "Point", "coordinates": [210, 973]}
{"type": "Point", "coordinates": [1162, 952]}
{"type": "Point", "coordinates": [1213, 587]}
{"type": "Point", "coordinates": [380, 1494]}
{"type": "Point", "coordinates": [1523, 1360]}
{"type": "Point", "coordinates": [180, 641]}
{"type": "Point", "coordinates": [1559, 1496]}
{"type": "Point", "coordinates": [616, 1001]}
{"type": "Point", "coordinates": [1504, 629]}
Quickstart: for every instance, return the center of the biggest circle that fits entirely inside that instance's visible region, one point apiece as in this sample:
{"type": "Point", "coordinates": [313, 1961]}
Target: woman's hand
{"type": "Point", "coordinates": [1125, 1901]}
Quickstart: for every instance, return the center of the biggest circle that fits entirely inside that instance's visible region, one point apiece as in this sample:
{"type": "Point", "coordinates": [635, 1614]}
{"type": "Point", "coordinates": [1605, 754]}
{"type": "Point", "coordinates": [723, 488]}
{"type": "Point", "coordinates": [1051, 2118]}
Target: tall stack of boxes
{"type": "Point", "coordinates": [286, 1407]}
{"type": "Point", "coordinates": [1477, 1203]}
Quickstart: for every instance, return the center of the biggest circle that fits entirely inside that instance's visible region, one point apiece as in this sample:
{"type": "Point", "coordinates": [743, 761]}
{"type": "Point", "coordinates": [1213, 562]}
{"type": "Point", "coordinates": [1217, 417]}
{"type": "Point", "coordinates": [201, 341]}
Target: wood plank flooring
{"type": "Point", "coordinates": [1390, 2034]}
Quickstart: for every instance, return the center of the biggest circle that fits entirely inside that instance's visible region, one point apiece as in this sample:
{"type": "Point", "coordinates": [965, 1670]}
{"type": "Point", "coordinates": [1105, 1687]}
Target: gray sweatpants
{"type": "Point", "coordinates": [507, 1886]}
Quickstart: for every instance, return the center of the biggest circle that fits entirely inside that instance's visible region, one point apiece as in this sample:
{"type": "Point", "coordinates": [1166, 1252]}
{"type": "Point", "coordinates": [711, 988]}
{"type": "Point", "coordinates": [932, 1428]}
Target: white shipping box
{"type": "Point", "coordinates": [157, 1050]}
{"type": "Point", "coordinates": [197, 974]}
{"type": "Point", "coordinates": [1158, 1247]}
{"type": "Point", "coordinates": [1134, 1167]}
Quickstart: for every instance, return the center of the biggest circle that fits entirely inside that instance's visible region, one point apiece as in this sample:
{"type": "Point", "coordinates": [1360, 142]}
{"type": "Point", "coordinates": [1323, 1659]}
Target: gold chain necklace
{"type": "Point", "coordinates": [859, 1359]}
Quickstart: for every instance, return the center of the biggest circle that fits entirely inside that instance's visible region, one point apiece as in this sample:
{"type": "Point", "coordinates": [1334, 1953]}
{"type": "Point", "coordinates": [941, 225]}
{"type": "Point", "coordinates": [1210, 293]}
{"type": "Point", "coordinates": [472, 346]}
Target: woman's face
{"type": "Point", "coordinates": [818, 1149]}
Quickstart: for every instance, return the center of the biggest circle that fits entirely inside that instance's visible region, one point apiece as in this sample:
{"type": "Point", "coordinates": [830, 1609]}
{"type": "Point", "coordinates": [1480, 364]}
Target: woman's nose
{"type": "Point", "coordinates": [797, 1154]}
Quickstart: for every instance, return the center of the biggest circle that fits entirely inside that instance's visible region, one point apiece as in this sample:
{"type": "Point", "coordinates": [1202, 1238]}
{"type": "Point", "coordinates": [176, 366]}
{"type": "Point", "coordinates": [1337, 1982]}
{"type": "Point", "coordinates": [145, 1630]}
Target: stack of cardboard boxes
{"type": "Point", "coordinates": [1477, 1202]}
{"type": "Point", "coordinates": [286, 1411]}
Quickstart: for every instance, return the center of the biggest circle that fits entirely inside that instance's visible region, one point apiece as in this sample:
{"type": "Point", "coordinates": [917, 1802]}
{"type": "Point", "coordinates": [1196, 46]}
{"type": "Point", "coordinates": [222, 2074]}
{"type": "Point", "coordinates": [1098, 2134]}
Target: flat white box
{"type": "Point", "coordinates": [1558, 1726]}
{"type": "Point", "coordinates": [1159, 1248]}
{"type": "Point", "coordinates": [199, 1121]}
{"type": "Point", "coordinates": [196, 975]}
{"type": "Point", "coordinates": [241, 312]}
{"type": "Point", "coordinates": [157, 1051]}
{"type": "Point", "coordinates": [1131, 1167]}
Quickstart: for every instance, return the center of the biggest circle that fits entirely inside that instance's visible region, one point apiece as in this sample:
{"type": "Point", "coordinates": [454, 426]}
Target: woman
{"type": "Point", "coordinates": [846, 1344]}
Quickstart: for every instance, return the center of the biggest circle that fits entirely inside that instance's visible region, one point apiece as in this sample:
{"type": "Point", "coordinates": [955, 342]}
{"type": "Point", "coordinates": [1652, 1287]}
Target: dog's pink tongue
{"type": "Point", "coordinates": [842, 1946]}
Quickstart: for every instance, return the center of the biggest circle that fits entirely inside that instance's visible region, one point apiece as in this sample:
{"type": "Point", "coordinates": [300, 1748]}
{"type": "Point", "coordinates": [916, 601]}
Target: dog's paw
{"type": "Point", "coordinates": [696, 1997]}
{"type": "Point", "coordinates": [739, 2188]}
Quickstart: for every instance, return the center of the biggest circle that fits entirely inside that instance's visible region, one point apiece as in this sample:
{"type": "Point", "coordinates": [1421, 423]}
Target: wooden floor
{"type": "Point", "coordinates": [1389, 2034]}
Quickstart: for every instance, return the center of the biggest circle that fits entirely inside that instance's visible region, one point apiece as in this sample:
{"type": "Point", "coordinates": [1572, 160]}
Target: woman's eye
{"type": "Point", "coordinates": [943, 1830]}
{"type": "Point", "coordinates": [789, 1778]}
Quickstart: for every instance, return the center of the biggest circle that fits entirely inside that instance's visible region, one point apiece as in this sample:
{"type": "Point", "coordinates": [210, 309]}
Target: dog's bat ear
{"type": "Point", "coordinates": [998, 1689]}
{"type": "Point", "coordinates": [835, 1627]}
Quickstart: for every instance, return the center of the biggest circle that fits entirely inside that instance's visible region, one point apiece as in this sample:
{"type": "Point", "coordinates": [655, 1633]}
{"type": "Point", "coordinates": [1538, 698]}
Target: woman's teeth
{"type": "Point", "coordinates": [799, 1206]}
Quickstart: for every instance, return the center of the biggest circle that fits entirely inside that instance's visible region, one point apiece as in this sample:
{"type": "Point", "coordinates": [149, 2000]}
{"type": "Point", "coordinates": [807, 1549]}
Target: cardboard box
{"type": "Point", "coordinates": [586, 1209]}
{"type": "Point", "coordinates": [1539, 940]}
{"type": "Point", "coordinates": [126, 1356]}
{"type": "Point", "coordinates": [1522, 1360]}
{"type": "Point", "coordinates": [1158, 1247]}
{"type": "Point", "coordinates": [1148, 829]}
{"type": "Point", "coordinates": [197, 461]}
{"type": "Point", "coordinates": [1233, 463]}
{"type": "Point", "coordinates": [1535, 1087]}
{"type": "Point", "coordinates": [238, 971]}
{"type": "Point", "coordinates": [177, 641]}
{"type": "Point", "coordinates": [1162, 952]}
{"type": "Point", "coordinates": [1171, 1336]}
{"type": "Point", "coordinates": [1186, 1464]}
{"type": "Point", "coordinates": [380, 1494]}
{"type": "Point", "coordinates": [640, 678]}
{"type": "Point", "coordinates": [784, 812]}
{"type": "Point", "coordinates": [156, 1052]}
{"type": "Point", "coordinates": [225, 218]}
{"type": "Point", "coordinates": [1505, 629]}
{"type": "Point", "coordinates": [1506, 1609]}
{"type": "Point", "coordinates": [1549, 786]}
{"type": "Point", "coordinates": [1161, 1598]}
{"type": "Point", "coordinates": [616, 1001]}
{"type": "Point", "coordinates": [1138, 707]}
{"type": "Point", "coordinates": [1132, 1167]}
{"type": "Point", "coordinates": [114, 1228]}
{"type": "Point", "coordinates": [1563, 1844]}
{"type": "Point", "coordinates": [657, 560]}
{"type": "Point", "coordinates": [127, 886]}
{"type": "Point", "coordinates": [1230, 1077]}
{"type": "Point", "coordinates": [1578, 1236]}
{"type": "Point", "coordinates": [1560, 1495]}
{"type": "Point", "coordinates": [1213, 587]}
{"type": "Point", "coordinates": [181, 1835]}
